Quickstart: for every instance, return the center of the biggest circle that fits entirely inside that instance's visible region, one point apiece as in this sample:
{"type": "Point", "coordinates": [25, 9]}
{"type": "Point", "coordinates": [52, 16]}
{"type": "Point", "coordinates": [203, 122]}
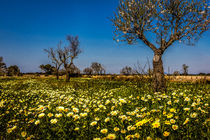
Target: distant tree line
{"type": "Point", "coordinates": [12, 70]}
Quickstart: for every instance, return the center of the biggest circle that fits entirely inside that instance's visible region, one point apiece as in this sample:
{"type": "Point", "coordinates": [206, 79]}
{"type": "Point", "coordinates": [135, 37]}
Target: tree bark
{"type": "Point", "coordinates": [159, 84]}
{"type": "Point", "coordinates": [57, 74]}
{"type": "Point", "coordinates": [67, 76]}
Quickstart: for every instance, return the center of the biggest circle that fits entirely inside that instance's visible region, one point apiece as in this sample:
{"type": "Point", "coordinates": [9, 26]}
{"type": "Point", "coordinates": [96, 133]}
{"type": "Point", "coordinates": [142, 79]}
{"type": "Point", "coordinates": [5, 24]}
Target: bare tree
{"type": "Point", "coordinates": [3, 67]}
{"type": "Point", "coordinates": [185, 69]}
{"type": "Point", "coordinates": [54, 55]}
{"type": "Point", "coordinates": [97, 68]}
{"type": "Point", "coordinates": [88, 71]}
{"type": "Point", "coordinates": [127, 70]}
{"type": "Point", "coordinates": [165, 21]}
{"type": "Point", "coordinates": [69, 53]}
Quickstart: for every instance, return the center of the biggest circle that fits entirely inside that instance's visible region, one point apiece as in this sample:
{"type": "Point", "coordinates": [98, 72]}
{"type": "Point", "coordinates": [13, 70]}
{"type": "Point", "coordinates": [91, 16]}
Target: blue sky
{"type": "Point", "coordinates": [29, 26]}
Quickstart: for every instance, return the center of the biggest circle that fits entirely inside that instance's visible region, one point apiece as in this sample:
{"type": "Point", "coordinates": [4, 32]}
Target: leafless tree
{"type": "Point", "coordinates": [69, 53]}
{"type": "Point", "coordinates": [158, 24]}
{"type": "Point", "coordinates": [55, 57]}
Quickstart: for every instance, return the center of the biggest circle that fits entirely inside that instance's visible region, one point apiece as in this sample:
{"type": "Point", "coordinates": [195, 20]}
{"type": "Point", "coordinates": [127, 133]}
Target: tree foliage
{"type": "Point", "coordinates": [127, 70]}
{"type": "Point", "coordinates": [185, 69]}
{"type": "Point", "coordinates": [48, 69]}
{"type": "Point", "coordinates": [13, 70]}
{"type": "Point", "coordinates": [3, 67]}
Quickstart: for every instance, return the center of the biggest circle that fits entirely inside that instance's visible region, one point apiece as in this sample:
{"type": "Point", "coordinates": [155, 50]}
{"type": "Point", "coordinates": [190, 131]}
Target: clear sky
{"type": "Point", "coordinates": [29, 26]}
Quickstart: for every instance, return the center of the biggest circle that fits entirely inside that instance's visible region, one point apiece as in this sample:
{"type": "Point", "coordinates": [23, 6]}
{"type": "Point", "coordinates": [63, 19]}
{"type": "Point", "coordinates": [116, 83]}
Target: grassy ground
{"type": "Point", "coordinates": [87, 108]}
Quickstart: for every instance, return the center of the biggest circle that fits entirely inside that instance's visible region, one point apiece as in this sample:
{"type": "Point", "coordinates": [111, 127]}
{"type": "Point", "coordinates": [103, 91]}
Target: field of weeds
{"type": "Point", "coordinates": [88, 108]}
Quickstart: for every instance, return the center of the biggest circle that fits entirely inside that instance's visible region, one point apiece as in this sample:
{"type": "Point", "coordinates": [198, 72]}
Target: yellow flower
{"type": "Point", "coordinates": [76, 129]}
{"type": "Point", "coordinates": [37, 122]}
{"type": "Point", "coordinates": [41, 115]}
{"type": "Point", "coordinates": [156, 124]}
{"type": "Point", "coordinates": [186, 121]}
{"type": "Point", "coordinates": [187, 99]}
{"type": "Point", "coordinates": [193, 115]}
{"type": "Point", "coordinates": [75, 110]}
{"type": "Point", "coordinates": [23, 134]}
{"type": "Point", "coordinates": [111, 136]}
{"type": "Point", "coordinates": [58, 115]}
{"type": "Point", "coordinates": [123, 131]}
{"type": "Point", "coordinates": [70, 114]}
{"type": "Point", "coordinates": [93, 123]}
{"type": "Point", "coordinates": [172, 121]}
{"type": "Point", "coordinates": [53, 121]}
{"type": "Point", "coordinates": [170, 115]}
{"type": "Point", "coordinates": [60, 108]}
{"type": "Point", "coordinates": [186, 109]}
{"type": "Point", "coordinates": [137, 135]}
{"type": "Point", "coordinates": [9, 130]}
{"type": "Point", "coordinates": [107, 119]}
{"type": "Point", "coordinates": [175, 127]}
{"type": "Point", "coordinates": [96, 138]}
{"type": "Point", "coordinates": [49, 115]}
{"type": "Point", "coordinates": [166, 134]}
{"type": "Point", "coordinates": [173, 110]}
{"type": "Point", "coordinates": [116, 129]}
{"type": "Point", "coordinates": [149, 138]}
{"type": "Point", "coordinates": [104, 131]}
{"type": "Point", "coordinates": [167, 122]}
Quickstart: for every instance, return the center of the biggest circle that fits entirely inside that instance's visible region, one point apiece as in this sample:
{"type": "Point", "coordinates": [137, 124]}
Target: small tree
{"type": "Point", "coordinates": [127, 71]}
{"type": "Point", "coordinates": [97, 68]}
{"type": "Point", "coordinates": [54, 55]}
{"type": "Point", "coordinates": [176, 73]}
{"type": "Point", "coordinates": [69, 53]}
{"type": "Point", "coordinates": [48, 69]}
{"type": "Point", "coordinates": [13, 70]}
{"type": "Point", "coordinates": [185, 69]}
{"type": "Point", "coordinates": [88, 71]}
{"type": "Point", "coordinates": [159, 24]}
{"type": "Point", "coordinates": [3, 67]}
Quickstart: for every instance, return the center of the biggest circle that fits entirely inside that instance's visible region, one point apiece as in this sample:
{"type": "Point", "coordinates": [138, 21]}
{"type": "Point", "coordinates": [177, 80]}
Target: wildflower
{"type": "Point", "coordinates": [172, 121]}
{"type": "Point", "coordinates": [23, 134]}
{"type": "Point", "coordinates": [156, 124]}
{"type": "Point", "coordinates": [123, 131]}
{"type": "Point", "coordinates": [53, 121]}
{"type": "Point", "coordinates": [122, 101]}
{"type": "Point", "coordinates": [167, 122]}
{"type": "Point", "coordinates": [172, 110]}
{"type": "Point", "coordinates": [170, 115]}
{"type": "Point", "coordinates": [187, 99]}
{"type": "Point", "coordinates": [186, 109]}
{"type": "Point", "coordinates": [9, 130]}
{"type": "Point", "coordinates": [93, 123]}
{"type": "Point", "coordinates": [76, 129]}
{"type": "Point", "coordinates": [96, 138]}
{"type": "Point", "coordinates": [193, 115]}
{"type": "Point", "coordinates": [107, 119]}
{"type": "Point", "coordinates": [70, 114]}
{"type": "Point", "coordinates": [137, 135]}
{"type": "Point", "coordinates": [149, 138]}
{"type": "Point", "coordinates": [104, 131]}
{"type": "Point", "coordinates": [37, 122]}
{"type": "Point", "coordinates": [58, 115]}
{"type": "Point", "coordinates": [49, 115]}
{"type": "Point", "coordinates": [60, 108]}
{"type": "Point", "coordinates": [41, 115]}
{"type": "Point", "coordinates": [111, 136]}
{"type": "Point", "coordinates": [75, 110]}
{"type": "Point", "coordinates": [166, 134]}
{"type": "Point", "coordinates": [186, 121]}
{"type": "Point", "coordinates": [175, 127]}
{"type": "Point", "coordinates": [116, 129]}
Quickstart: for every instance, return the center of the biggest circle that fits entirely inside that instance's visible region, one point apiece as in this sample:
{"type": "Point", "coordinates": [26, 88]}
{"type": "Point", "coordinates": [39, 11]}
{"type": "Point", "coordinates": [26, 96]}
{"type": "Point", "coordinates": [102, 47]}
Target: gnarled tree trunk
{"type": "Point", "coordinates": [159, 83]}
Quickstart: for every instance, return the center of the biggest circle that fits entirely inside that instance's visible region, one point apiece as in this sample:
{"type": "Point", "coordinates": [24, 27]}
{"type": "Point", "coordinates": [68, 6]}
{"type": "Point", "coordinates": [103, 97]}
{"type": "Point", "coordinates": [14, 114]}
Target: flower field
{"type": "Point", "coordinates": [101, 109]}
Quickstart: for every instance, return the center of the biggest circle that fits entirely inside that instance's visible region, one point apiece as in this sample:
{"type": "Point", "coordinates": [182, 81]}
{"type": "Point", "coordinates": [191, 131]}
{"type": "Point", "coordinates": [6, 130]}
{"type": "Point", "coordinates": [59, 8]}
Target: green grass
{"type": "Point", "coordinates": [50, 109]}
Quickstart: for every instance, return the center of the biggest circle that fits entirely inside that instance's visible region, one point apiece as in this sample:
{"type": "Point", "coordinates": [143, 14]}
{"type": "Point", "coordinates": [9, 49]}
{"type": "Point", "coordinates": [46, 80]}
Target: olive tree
{"type": "Point", "coordinates": [127, 70]}
{"type": "Point", "coordinates": [185, 69]}
{"type": "Point", "coordinates": [97, 68]}
{"type": "Point", "coordinates": [158, 24]}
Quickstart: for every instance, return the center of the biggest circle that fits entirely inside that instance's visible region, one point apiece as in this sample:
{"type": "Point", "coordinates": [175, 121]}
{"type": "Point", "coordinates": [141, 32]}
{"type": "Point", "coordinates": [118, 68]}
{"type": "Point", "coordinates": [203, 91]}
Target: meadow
{"type": "Point", "coordinates": [95, 109]}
